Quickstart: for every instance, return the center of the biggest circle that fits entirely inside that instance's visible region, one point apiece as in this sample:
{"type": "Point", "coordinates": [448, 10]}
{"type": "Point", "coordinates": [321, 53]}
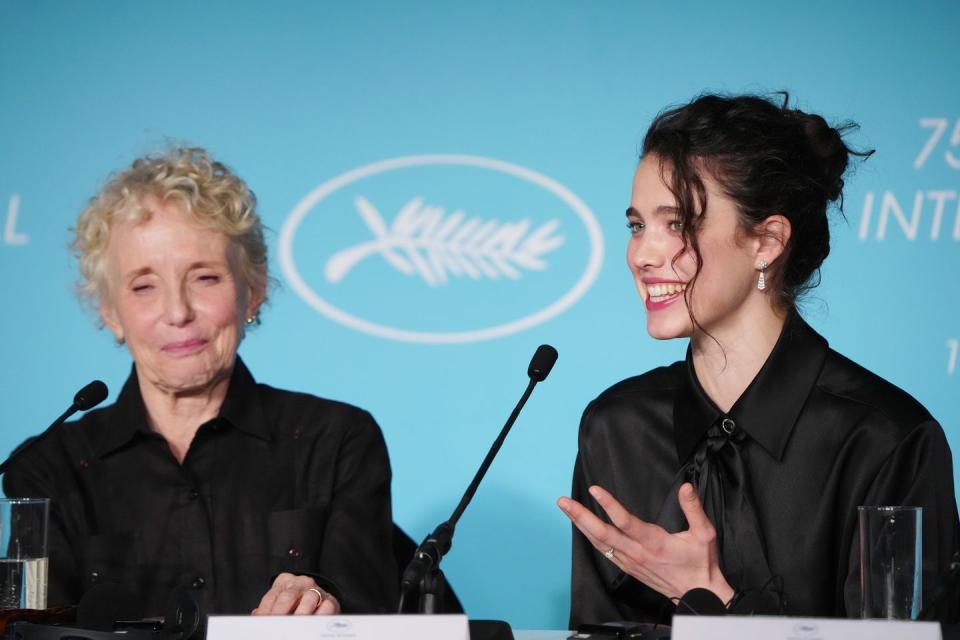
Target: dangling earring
{"type": "Point", "coordinates": [762, 281]}
{"type": "Point", "coordinates": [251, 319]}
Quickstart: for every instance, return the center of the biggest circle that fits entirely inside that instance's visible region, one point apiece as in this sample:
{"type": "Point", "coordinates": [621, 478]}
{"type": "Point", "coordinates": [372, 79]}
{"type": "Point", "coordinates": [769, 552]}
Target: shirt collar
{"type": "Point", "coordinates": [241, 408]}
{"type": "Point", "coordinates": [769, 407]}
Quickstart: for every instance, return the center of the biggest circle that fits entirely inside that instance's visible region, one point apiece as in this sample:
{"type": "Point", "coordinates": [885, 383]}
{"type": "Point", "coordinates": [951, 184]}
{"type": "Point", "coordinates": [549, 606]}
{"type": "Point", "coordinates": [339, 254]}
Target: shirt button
{"type": "Point", "coordinates": [728, 426]}
{"type": "Point", "coordinates": [193, 494]}
{"type": "Point", "coordinates": [94, 577]}
{"type": "Point", "coordinates": [297, 433]}
{"type": "Point", "coordinates": [198, 582]}
{"type": "Point", "coordinates": [84, 463]}
{"type": "Point", "coordinates": [293, 552]}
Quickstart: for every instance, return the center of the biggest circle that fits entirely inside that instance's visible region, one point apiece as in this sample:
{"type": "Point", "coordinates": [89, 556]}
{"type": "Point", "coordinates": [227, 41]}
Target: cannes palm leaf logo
{"type": "Point", "coordinates": [427, 242]}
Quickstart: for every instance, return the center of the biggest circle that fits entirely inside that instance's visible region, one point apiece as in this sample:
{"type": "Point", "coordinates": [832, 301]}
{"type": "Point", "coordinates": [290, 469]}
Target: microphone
{"type": "Point", "coordinates": [703, 602]}
{"type": "Point", "coordinates": [542, 362]}
{"type": "Point", "coordinates": [87, 398]}
{"type": "Point", "coordinates": [436, 545]}
{"type": "Point", "coordinates": [700, 602]}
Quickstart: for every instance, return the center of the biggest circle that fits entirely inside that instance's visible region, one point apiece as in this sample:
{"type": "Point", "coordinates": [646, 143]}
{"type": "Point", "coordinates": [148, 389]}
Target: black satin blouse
{"type": "Point", "coordinates": [812, 437]}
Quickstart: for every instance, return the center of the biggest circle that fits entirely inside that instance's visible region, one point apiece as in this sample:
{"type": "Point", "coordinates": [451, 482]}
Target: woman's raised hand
{"type": "Point", "coordinates": [670, 563]}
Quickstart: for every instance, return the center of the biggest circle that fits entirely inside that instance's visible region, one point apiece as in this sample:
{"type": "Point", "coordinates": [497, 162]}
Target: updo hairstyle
{"type": "Point", "coordinates": [769, 159]}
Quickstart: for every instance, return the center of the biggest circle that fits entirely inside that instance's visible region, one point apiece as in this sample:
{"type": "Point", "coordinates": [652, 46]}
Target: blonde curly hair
{"type": "Point", "coordinates": [207, 191]}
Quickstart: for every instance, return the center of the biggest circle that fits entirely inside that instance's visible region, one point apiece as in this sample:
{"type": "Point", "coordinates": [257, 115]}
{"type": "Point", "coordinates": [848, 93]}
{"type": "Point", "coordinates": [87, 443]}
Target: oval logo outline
{"type": "Point", "coordinates": [558, 306]}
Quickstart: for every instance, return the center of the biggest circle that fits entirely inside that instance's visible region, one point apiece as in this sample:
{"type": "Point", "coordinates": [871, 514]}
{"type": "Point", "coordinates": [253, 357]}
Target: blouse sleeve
{"type": "Point", "coordinates": [600, 592]}
{"type": "Point", "coordinates": [917, 473]}
{"type": "Point", "coordinates": [590, 601]}
{"type": "Point", "coordinates": [357, 548]}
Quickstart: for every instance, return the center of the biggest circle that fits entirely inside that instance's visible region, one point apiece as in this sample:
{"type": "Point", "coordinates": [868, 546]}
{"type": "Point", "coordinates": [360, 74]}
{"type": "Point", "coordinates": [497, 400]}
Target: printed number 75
{"type": "Point", "coordinates": [939, 126]}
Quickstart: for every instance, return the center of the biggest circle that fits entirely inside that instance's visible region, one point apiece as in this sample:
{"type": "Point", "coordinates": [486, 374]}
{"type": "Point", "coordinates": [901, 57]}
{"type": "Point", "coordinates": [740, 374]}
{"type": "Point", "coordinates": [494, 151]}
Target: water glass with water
{"type": "Point", "coordinates": [23, 552]}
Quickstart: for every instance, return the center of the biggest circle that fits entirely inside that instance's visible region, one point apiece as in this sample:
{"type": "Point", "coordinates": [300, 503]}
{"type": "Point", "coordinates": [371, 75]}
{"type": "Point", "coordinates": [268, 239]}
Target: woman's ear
{"type": "Point", "coordinates": [110, 319]}
{"type": "Point", "coordinates": [255, 298]}
{"type": "Point", "coordinates": [772, 235]}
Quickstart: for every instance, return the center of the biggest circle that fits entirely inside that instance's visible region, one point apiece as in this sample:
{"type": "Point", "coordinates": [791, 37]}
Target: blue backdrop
{"type": "Point", "coordinates": [446, 183]}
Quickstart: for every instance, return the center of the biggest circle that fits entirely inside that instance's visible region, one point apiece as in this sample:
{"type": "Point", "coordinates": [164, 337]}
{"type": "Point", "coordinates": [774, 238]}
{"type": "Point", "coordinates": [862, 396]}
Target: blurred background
{"type": "Point", "coordinates": [522, 116]}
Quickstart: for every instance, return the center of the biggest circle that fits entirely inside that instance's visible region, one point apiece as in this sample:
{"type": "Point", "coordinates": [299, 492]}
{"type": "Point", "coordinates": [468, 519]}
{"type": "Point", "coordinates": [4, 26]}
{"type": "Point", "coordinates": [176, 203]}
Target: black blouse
{"type": "Point", "coordinates": [815, 436]}
{"type": "Point", "coordinates": [279, 481]}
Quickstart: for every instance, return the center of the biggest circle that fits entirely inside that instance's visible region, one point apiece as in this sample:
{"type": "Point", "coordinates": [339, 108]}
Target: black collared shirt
{"type": "Point", "coordinates": [279, 481]}
{"type": "Point", "coordinates": [823, 436]}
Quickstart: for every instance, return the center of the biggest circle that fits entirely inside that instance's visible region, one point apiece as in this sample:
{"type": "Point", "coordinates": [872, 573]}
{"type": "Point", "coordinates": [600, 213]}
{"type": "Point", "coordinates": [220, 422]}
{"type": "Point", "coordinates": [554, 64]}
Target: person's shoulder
{"type": "Point", "coordinates": [633, 411]}
{"type": "Point", "coordinates": [307, 412]}
{"type": "Point", "coordinates": [635, 398]}
{"type": "Point", "coordinates": [890, 408]}
{"type": "Point", "coordinates": [662, 382]}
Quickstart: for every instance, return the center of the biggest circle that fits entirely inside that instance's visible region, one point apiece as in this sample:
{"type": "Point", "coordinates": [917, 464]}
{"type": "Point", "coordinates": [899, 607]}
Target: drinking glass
{"type": "Point", "coordinates": [23, 553]}
{"type": "Point", "coordinates": [890, 562]}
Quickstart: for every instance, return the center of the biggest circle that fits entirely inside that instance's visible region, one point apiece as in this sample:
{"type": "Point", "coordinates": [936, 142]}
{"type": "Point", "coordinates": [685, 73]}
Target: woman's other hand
{"type": "Point", "coordinates": [296, 595]}
{"type": "Point", "coordinates": [670, 563]}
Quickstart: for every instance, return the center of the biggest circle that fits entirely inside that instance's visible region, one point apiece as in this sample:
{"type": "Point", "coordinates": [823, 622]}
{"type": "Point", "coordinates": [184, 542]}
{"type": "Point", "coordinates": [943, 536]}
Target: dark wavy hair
{"type": "Point", "coordinates": [769, 159]}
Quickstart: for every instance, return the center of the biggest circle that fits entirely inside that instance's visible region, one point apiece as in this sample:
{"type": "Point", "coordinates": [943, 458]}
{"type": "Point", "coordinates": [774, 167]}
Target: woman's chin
{"type": "Point", "coordinates": [664, 329]}
{"type": "Point", "coordinates": [187, 380]}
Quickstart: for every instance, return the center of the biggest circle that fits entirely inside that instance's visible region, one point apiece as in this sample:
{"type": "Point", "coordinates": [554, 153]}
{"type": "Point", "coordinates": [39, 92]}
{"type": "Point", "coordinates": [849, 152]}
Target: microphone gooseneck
{"type": "Point", "coordinates": [431, 551]}
{"type": "Point", "coordinates": [87, 398]}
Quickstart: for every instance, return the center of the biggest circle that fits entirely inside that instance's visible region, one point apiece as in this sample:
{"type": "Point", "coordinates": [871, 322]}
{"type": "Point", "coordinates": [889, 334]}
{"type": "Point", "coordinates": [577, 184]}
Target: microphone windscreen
{"type": "Point", "coordinates": [102, 605]}
{"type": "Point", "coordinates": [90, 396]}
{"type": "Point", "coordinates": [542, 362]}
{"type": "Point", "coordinates": [701, 602]}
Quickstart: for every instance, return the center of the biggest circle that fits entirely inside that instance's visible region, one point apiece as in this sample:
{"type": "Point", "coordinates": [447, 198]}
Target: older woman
{"type": "Point", "coordinates": [198, 477]}
{"type": "Point", "coordinates": [740, 469]}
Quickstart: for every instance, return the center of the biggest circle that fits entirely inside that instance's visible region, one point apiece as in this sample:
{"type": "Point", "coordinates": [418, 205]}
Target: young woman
{"type": "Point", "coordinates": [740, 469]}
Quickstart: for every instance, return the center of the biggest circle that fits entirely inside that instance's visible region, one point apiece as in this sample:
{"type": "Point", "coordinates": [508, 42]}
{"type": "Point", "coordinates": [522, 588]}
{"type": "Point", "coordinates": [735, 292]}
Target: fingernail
{"type": "Point", "coordinates": [594, 491]}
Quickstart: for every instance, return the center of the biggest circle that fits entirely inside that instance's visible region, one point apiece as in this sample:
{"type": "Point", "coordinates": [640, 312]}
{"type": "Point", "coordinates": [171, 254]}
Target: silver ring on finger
{"type": "Point", "coordinates": [609, 553]}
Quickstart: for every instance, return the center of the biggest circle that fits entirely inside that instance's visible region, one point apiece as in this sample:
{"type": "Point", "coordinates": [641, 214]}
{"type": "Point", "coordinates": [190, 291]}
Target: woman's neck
{"type": "Point", "coordinates": [727, 360]}
{"type": "Point", "coordinates": [177, 416]}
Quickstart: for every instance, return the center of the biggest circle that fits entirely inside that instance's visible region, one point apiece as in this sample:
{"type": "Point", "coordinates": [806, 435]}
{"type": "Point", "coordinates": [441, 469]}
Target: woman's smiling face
{"type": "Point", "coordinates": [176, 298]}
{"type": "Point", "coordinates": [663, 266]}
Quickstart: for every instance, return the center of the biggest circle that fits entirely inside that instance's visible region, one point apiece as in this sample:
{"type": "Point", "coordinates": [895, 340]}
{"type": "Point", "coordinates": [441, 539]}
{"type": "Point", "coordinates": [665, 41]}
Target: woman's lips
{"type": "Point", "coordinates": [184, 347]}
{"type": "Point", "coordinates": [662, 302]}
{"type": "Point", "coordinates": [661, 293]}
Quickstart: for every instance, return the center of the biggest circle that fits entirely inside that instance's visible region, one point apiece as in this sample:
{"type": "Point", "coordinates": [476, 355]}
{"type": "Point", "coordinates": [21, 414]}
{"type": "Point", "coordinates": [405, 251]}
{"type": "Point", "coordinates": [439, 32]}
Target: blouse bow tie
{"type": "Point", "coordinates": [717, 471]}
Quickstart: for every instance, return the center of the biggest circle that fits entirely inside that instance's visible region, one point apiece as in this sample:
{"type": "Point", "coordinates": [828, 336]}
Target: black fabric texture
{"type": "Point", "coordinates": [813, 437]}
{"type": "Point", "coordinates": [277, 482]}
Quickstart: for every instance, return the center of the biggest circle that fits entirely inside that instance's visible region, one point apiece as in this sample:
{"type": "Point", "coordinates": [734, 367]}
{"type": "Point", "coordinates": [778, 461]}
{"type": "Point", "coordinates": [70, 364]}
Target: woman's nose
{"type": "Point", "coordinates": [177, 308]}
{"type": "Point", "coordinates": [645, 252]}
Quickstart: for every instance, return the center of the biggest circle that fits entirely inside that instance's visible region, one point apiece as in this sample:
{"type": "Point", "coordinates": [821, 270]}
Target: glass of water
{"type": "Point", "coordinates": [890, 562]}
{"type": "Point", "coordinates": [23, 552]}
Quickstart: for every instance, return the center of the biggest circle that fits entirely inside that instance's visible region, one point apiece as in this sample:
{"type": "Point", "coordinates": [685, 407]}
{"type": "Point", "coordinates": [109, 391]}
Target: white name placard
{"type": "Point", "coordinates": [778, 628]}
{"type": "Point", "coordinates": [438, 627]}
